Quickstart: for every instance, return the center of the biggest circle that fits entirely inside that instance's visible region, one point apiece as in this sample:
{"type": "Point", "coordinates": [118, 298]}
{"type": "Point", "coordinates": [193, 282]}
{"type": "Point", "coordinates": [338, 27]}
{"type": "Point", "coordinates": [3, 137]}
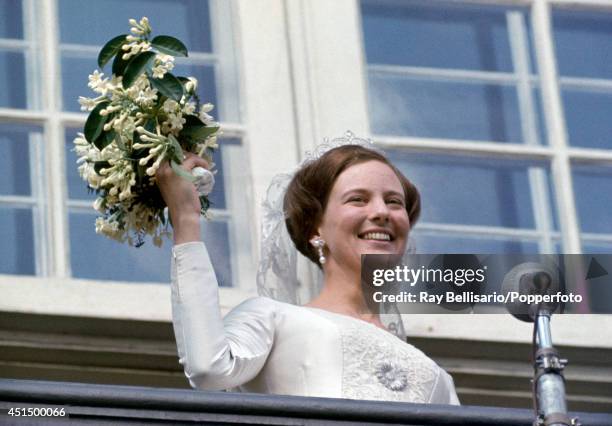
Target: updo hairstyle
{"type": "Point", "coordinates": [308, 192]}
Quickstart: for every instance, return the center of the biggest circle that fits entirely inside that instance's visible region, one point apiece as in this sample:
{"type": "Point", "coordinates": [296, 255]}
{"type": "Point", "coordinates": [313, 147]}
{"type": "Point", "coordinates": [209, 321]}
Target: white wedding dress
{"type": "Point", "coordinates": [272, 347]}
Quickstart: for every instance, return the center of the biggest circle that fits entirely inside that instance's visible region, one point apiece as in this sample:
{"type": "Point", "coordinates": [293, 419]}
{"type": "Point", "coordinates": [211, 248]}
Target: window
{"type": "Point", "coordinates": [22, 203]}
{"type": "Point", "coordinates": [46, 219]}
{"type": "Point", "coordinates": [465, 100]}
{"type": "Point", "coordinates": [585, 78]}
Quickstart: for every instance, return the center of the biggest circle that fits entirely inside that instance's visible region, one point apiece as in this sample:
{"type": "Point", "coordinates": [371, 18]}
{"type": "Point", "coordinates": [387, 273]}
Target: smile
{"type": "Point", "coordinates": [378, 236]}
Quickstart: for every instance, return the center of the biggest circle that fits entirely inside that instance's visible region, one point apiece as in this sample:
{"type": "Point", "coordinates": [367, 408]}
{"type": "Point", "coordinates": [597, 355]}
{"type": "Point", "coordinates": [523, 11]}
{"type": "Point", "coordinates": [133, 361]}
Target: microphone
{"type": "Point", "coordinates": [525, 283]}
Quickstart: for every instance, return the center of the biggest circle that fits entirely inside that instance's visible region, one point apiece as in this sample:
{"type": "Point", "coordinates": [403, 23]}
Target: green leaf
{"type": "Point", "coordinates": [110, 49]}
{"type": "Point", "coordinates": [169, 86]}
{"type": "Point", "coordinates": [169, 45]}
{"type": "Point", "coordinates": [194, 130]}
{"type": "Point", "coordinates": [175, 151]}
{"type": "Point", "coordinates": [181, 171]}
{"type": "Point", "coordinates": [135, 67]}
{"type": "Point", "coordinates": [193, 120]}
{"type": "Point", "coordinates": [95, 123]}
{"type": "Point", "coordinates": [119, 65]}
{"type": "Point", "coordinates": [105, 139]}
{"type": "Point", "coordinates": [150, 125]}
{"type": "Point", "coordinates": [99, 165]}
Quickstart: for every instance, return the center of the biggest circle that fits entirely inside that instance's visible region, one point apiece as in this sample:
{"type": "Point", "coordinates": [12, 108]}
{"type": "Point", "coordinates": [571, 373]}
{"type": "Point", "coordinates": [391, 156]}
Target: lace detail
{"type": "Point", "coordinates": [379, 366]}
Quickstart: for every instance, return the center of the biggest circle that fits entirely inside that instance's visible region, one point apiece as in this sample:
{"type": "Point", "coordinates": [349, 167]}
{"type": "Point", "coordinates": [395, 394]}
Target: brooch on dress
{"type": "Point", "coordinates": [392, 376]}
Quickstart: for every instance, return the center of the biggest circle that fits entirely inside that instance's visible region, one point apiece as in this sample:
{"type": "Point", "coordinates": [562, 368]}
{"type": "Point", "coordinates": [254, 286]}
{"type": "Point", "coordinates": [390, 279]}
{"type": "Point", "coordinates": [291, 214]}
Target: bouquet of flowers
{"type": "Point", "coordinates": [143, 115]}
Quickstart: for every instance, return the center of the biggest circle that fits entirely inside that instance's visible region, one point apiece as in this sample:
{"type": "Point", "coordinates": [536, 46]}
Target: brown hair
{"type": "Point", "coordinates": [308, 192]}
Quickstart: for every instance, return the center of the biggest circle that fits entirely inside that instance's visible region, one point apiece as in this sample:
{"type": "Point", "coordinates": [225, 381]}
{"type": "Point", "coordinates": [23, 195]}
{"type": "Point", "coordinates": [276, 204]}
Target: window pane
{"type": "Point", "coordinates": [98, 22]}
{"type": "Point", "coordinates": [16, 241]}
{"type": "Point", "coordinates": [407, 107]}
{"type": "Point", "coordinates": [216, 236]}
{"type": "Point", "coordinates": [97, 257]}
{"type": "Point", "coordinates": [588, 118]}
{"type": "Point", "coordinates": [596, 247]}
{"type": "Point", "coordinates": [441, 36]}
{"type": "Point", "coordinates": [582, 43]}
{"type": "Point", "coordinates": [217, 197]}
{"type": "Point", "coordinates": [75, 71]}
{"type": "Point", "coordinates": [594, 198]}
{"type": "Point", "coordinates": [448, 244]}
{"type": "Point", "coordinates": [12, 80]}
{"type": "Point", "coordinates": [15, 159]}
{"type": "Point", "coordinates": [473, 191]}
{"type": "Point", "coordinates": [11, 23]}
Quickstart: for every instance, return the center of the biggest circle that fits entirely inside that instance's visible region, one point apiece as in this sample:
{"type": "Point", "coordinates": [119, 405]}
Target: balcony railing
{"type": "Point", "coordinates": [103, 404]}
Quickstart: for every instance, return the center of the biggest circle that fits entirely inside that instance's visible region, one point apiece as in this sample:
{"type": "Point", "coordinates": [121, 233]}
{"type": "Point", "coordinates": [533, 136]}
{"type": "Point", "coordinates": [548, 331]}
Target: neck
{"type": "Point", "coordinates": [342, 294]}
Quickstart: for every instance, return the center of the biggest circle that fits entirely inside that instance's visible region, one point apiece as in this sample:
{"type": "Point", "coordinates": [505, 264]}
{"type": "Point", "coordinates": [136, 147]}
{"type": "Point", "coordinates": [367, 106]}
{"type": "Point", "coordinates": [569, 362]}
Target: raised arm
{"type": "Point", "coordinates": [215, 354]}
{"type": "Point", "coordinates": [182, 199]}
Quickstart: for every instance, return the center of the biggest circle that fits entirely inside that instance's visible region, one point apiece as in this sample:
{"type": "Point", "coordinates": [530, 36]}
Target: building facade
{"type": "Point", "coordinates": [497, 110]}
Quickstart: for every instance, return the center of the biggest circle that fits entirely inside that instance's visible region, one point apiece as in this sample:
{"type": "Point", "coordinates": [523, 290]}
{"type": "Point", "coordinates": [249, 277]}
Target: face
{"type": "Point", "coordinates": [365, 214]}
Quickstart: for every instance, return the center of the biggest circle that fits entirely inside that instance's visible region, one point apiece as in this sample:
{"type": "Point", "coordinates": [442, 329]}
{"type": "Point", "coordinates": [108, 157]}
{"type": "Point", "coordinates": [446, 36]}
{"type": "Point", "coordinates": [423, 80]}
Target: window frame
{"type": "Point", "coordinates": [53, 275]}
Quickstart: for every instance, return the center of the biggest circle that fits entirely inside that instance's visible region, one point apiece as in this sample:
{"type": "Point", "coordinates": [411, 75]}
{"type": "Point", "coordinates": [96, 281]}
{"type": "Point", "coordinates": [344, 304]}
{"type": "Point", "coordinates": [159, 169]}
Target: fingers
{"type": "Point", "coordinates": [164, 170]}
{"type": "Point", "coordinates": [192, 160]}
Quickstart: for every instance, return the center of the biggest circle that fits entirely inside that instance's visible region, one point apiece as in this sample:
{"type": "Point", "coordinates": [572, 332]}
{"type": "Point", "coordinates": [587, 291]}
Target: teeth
{"type": "Point", "coordinates": [376, 236]}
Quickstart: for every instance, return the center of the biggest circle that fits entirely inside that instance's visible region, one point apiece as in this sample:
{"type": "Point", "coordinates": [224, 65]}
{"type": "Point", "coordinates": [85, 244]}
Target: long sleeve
{"type": "Point", "coordinates": [215, 353]}
{"type": "Point", "coordinates": [444, 390]}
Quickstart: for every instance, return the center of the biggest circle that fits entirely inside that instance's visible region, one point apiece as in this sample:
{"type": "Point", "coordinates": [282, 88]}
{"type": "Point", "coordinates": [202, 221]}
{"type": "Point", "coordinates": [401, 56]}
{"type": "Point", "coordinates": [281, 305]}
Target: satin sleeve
{"type": "Point", "coordinates": [215, 353]}
{"type": "Point", "coordinates": [444, 390]}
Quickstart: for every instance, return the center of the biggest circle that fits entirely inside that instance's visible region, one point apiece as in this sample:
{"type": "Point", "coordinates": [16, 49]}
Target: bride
{"type": "Point", "coordinates": [349, 201]}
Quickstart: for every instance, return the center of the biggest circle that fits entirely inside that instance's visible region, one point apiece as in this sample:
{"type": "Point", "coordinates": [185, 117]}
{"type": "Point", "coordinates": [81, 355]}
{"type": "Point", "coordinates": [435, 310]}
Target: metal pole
{"type": "Point", "coordinates": [550, 386]}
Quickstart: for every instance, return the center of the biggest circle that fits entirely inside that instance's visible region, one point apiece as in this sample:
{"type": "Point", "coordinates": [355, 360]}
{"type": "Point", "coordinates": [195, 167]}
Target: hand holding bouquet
{"type": "Point", "coordinates": [143, 115]}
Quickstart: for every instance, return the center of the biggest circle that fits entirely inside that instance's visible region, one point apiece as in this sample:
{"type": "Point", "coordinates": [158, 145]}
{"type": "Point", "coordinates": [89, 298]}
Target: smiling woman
{"type": "Point", "coordinates": [352, 201]}
{"type": "Point", "coordinates": [344, 203]}
{"type": "Point", "coordinates": [321, 187]}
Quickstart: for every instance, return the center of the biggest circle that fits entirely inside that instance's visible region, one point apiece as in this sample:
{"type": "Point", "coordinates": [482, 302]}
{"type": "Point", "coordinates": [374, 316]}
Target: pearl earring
{"type": "Point", "coordinates": [319, 243]}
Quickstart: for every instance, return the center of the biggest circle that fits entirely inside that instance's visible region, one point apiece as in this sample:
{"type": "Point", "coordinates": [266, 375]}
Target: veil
{"type": "Point", "coordinates": [281, 265]}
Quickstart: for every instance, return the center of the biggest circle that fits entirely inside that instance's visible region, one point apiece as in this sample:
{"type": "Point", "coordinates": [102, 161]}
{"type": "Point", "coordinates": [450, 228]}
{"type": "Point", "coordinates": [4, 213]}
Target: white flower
{"type": "Point", "coordinates": [163, 64]}
{"type": "Point", "coordinates": [146, 97]}
{"type": "Point", "coordinates": [134, 49]}
{"type": "Point", "coordinates": [192, 85]}
{"type": "Point", "coordinates": [97, 205]}
{"type": "Point", "coordinates": [141, 28]}
{"type": "Point", "coordinates": [207, 107]}
{"type": "Point", "coordinates": [211, 142]}
{"type": "Point", "coordinates": [170, 106]}
{"type": "Point", "coordinates": [110, 228]}
{"type": "Point", "coordinates": [97, 83]}
{"type": "Point", "coordinates": [159, 71]}
{"type": "Point", "coordinates": [189, 108]}
{"type": "Point", "coordinates": [87, 104]}
{"type": "Point", "coordinates": [95, 78]}
{"type": "Point", "coordinates": [176, 121]}
{"type": "Point", "coordinates": [165, 59]}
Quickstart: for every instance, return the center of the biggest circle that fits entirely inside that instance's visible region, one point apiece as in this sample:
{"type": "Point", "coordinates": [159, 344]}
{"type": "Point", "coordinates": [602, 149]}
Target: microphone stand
{"type": "Point", "coordinates": [548, 380]}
